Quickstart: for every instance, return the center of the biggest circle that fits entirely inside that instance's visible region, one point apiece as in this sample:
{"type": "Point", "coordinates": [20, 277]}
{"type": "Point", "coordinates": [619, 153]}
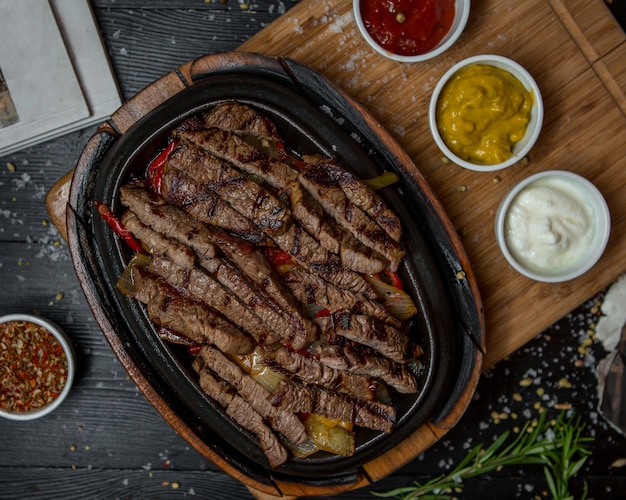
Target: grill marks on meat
{"type": "Point", "coordinates": [365, 361]}
{"type": "Point", "coordinates": [334, 238]}
{"type": "Point", "coordinates": [229, 147]}
{"type": "Point", "coordinates": [181, 190]}
{"type": "Point", "coordinates": [158, 244]}
{"type": "Point", "coordinates": [241, 120]}
{"type": "Point", "coordinates": [298, 398]}
{"type": "Point", "coordinates": [325, 190]}
{"type": "Point", "coordinates": [385, 339]}
{"type": "Point", "coordinates": [242, 413]}
{"type": "Point", "coordinates": [169, 220]}
{"type": "Point", "coordinates": [285, 422]}
{"type": "Point", "coordinates": [359, 194]}
{"type": "Point", "coordinates": [309, 288]}
{"type": "Point", "coordinates": [245, 196]}
{"type": "Point", "coordinates": [310, 253]}
{"type": "Point", "coordinates": [310, 371]}
{"type": "Point", "coordinates": [207, 289]}
{"type": "Point", "coordinates": [169, 308]}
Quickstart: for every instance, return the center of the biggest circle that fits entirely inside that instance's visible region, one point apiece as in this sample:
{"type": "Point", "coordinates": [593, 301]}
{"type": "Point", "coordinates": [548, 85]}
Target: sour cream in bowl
{"type": "Point", "coordinates": [553, 226]}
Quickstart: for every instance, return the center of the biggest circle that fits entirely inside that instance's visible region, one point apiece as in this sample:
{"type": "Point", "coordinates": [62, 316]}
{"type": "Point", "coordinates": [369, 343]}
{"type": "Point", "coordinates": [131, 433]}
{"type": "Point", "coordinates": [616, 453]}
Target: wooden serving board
{"type": "Point", "coordinates": [575, 50]}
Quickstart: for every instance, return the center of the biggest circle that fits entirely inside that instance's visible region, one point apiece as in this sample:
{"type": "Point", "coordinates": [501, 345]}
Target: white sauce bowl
{"type": "Point", "coordinates": [71, 366]}
{"type": "Point", "coordinates": [461, 15]}
{"type": "Point", "coordinates": [545, 268]}
{"type": "Point", "coordinates": [521, 148]}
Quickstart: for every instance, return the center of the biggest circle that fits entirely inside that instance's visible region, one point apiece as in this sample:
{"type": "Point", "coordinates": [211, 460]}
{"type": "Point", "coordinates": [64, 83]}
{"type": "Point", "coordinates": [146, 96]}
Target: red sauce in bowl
{"type": "Point", "coordinates": [408, 27]}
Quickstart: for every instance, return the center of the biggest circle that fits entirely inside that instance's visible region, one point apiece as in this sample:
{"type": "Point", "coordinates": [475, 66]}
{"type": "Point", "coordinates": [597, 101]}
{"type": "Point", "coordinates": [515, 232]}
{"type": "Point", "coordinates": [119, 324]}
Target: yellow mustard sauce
{"type": "Point", "coordinates": [482, 112]}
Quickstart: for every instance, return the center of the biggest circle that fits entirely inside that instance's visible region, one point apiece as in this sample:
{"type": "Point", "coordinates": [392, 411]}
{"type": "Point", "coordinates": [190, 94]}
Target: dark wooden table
{"type": "Point", "coordinates": [106, 441]}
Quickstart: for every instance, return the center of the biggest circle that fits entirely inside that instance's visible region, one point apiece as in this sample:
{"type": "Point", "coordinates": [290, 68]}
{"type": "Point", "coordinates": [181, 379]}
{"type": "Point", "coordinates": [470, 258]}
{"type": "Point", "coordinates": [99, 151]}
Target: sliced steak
{"type": "Point", "coordinates": [354, 255]}
{"type": "Point", "coordinates": [241, 119]}
{"type": "Point", "coordinates": [366, 361]}
{"type": "Point", "coordinates": [385, 339]}
{"type": "Point", "coordinates": [309, 288]}
{"type": "Point", "coordinates": [320, 185]}
{"type": "Point", "coordinates": [158, 244]}
{"type": "Point", "coordinates": [229, 147]}
{"type": "Point", "coordinates": [244, 195]}
{"type": "Point", "coordinates": [299, 398]}
{"type": "Point", "coordinates": [293, 327]}
{"type": "Point", "coordinates": [361, 195]}
{"type": "Point", "coordinates": [169, 308]}
{"type": "Point", "coordinates": [206, 288]}
{"type": "Point", "coordinates": [310, 371]}
{"type": "Point", "coordinates": [307, 251]}
{"type": "Point", "coordinates": [258, 270]}
{"type": "Point", "coordinates": [242, 413]}
{"type": "Point", "coordinates": [287, 423]}
{"type": "Point", "coordinates": [179, 189]}
{"type": "Point", "coordinates": [169, 220]}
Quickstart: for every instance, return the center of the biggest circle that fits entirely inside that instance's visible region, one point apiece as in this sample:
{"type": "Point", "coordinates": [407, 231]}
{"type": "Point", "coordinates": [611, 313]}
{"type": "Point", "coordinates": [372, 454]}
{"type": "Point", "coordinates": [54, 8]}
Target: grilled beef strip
{"type": "Point", "coordinates": [233, 149]}
{"type": "Point", "coordinates": [299, 398]}
{"type": "Point", "coordinates": [308, 370]}
{"type": "Point", "coordinates": [169, 308]}
{"type": "Point", "coordinates": [365, 361]}
{"type": "Point", "coordinates": [242, 413]}
{"type": "Point", "coordinates": [205, 240]}
{"type": "Point", "coordinates": [319, 184]}
{"type": "Point", "coordinates": [258, 270]}
{"type": "Point", "coordinates": [241, 120]}
{"type": "Point", "coordinates": [204, 287]}
{"type": "Point", "coordinates": [244, 195]}
{"type": "Point", "coordinates": [309, 288]}
{"type": "Point", "coordinates": [286, 423]}
{"type": "Point", "coordinates": [333, 237]}
{"type": "Point", "coordinates": [307, 251]}
{"type": "Point", "coordinates": [293, 326]}
{"type": "Point", "coordinates": [179, 189]}
{"type": "Point", "coordinates": [156, 243]}
{"type": "Point", "coordinates": [360, 194]}
{"type": "Point", "coordinates": [387, 340]}
{"type": "Point", "coordinates": [171, 221]}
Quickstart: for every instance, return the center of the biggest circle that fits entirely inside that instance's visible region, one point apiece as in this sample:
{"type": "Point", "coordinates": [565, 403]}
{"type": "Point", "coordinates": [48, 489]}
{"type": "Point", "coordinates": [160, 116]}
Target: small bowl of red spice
{"type": "Point", "coordinates": [411, 30]}
{"type": "Point", "coordinates": [37, 366]}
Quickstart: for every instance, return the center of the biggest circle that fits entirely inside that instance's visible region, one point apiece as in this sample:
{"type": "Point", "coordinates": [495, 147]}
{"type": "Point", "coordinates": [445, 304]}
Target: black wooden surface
{"type": "Point", "coordinates": [106, 441]}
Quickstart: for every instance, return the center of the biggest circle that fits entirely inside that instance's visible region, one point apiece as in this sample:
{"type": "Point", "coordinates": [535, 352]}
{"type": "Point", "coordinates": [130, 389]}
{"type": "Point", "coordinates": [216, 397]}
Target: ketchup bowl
{"type": "Point", "coordinates": [406, 34]}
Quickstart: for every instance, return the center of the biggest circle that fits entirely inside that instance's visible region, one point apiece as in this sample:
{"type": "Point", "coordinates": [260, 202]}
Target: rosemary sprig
{"type": "Point", "coordinates": [559, 446]}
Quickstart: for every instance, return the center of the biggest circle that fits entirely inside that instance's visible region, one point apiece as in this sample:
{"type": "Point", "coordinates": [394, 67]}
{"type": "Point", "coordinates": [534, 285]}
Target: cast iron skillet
{"type": "Point", "coordinates": [313, 117]}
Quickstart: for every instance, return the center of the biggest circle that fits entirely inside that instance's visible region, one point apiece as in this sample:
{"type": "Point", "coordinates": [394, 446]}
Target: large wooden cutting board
{"type": "Point", "coordinates": [577, 53]}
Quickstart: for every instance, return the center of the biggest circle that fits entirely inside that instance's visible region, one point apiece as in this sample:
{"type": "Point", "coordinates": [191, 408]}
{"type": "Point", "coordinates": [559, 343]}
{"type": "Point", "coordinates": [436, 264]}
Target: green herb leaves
{"type": "Point", "coordinates": [557, 445]}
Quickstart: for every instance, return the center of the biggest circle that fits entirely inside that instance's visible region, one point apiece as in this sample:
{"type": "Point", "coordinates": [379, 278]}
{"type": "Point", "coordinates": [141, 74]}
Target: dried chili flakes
{"type": "Point", "coordinates": [33, 366]}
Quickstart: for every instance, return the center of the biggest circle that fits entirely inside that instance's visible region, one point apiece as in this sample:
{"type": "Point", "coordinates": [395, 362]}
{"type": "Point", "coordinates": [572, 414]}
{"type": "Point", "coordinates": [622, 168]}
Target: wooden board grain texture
{"type": "Point", "coordinates": [576, 52]}
{"type": "Point", "coordinates": [574, 49]}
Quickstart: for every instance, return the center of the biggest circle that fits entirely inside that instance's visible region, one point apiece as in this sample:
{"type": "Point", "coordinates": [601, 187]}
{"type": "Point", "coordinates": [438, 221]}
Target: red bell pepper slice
{"type": "Point", "coordinates": [277, 257]}
{"type": "Point", "coordinates": [394, 279]}
{"type": "Point", "coordinates": [154, 173]}
{"type": "Point", "coordinates": [118, 228]}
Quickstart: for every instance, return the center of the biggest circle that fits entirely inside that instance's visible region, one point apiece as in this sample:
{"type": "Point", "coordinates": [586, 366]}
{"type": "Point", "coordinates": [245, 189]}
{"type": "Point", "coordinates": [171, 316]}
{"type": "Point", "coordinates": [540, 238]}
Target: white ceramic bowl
{"type": "Point", "coordinates": [71, 366]}
{"type": "Point", "coordinates": [520, 149]}
{"type": "Point", "coordinates": [588, 252]}
{"type": "Point", "coordinates": [462, 10]}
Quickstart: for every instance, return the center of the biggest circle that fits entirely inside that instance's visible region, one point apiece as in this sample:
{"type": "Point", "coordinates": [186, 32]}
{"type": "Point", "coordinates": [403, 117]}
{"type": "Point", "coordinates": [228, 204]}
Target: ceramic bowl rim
{"type": "Point", "coordinates": [68, 348]}
{"type": "Point", "coordinates": [535, 124]}
{"type": "Point", "coordinates": [456, 30]}
{"type": "Point", "coordinates": [602, 219]}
